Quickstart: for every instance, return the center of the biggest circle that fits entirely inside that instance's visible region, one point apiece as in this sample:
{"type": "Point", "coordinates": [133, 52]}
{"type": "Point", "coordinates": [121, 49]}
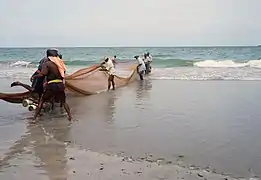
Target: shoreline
{"type": "Point", "coordinates": [79, 163]}
{"type": "Point", "coordinates": [150, 135]}
{"type": "Point", "coordinates": [86, 163]}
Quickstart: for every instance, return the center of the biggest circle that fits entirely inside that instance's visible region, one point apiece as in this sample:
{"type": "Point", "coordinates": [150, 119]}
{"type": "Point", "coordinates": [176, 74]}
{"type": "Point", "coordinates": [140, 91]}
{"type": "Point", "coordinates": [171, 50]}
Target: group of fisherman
{"type": "Point", "coordinates": [48, 80]}
{"type": "Point", "coordinates": [144, 64]}
{"type": "Point", "coordinates": [143, 67]}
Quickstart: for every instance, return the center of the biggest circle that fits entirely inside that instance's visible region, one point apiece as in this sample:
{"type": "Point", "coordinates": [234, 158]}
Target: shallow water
{"type": "Point", "coordinates": [210, 123]}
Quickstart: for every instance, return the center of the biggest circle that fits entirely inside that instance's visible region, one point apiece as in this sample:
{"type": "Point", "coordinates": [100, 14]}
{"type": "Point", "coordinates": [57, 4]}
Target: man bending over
{"type": "Point", "coordinates": [108, 66]}
{"type": "Point", "coordinates": [140, 67]}
{"type": "Point", "coordinates": [54, 70]}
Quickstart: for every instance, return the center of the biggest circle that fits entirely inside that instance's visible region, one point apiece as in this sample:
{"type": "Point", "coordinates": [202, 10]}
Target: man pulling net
{"type": "Point", "coordinates": [54, 71]}
{"type": "Point", "coordinates": [108, 66]}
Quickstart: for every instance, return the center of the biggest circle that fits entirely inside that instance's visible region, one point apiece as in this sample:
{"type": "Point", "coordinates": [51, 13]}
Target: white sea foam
{"type": "Point", "coordinates": [228, 64]}
{"type": "Point", "coordinates": [21, 63]}
{"type": "Point", "coordinates": [197, 73]}
{"type": "Point", "coordinates": [202, 70]}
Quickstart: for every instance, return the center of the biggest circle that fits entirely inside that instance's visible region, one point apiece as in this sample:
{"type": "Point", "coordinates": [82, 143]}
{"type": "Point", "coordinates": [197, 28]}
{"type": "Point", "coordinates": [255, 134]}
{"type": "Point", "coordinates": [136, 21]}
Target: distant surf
{"type": "Point", "coordinates": [169, 63]}
{"type": "Point", "coordinates": [160, 63]}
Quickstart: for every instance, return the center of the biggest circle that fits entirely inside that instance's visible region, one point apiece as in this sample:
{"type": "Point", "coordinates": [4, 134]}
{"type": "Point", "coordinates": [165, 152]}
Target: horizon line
{"type": "Point", "coordinates": [142, 46]}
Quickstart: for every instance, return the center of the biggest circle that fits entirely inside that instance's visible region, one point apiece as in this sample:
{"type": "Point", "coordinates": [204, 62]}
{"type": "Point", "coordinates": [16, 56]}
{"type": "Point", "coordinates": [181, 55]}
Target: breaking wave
{"type": "Point", "coordinates": [159, 63]}
{"type": "Point", "coordinates": [228, 64]}
{"type": "Point", "coordinates": [168, 69]}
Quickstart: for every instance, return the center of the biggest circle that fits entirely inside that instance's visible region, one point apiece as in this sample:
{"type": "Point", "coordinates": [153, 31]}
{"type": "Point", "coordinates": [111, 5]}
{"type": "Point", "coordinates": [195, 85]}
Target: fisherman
{"type": "Point", "coordinates": [149, 61]}
{"type": "Point", "coordinates": [108, 66]}
{"type": "Point", "coordinates": [146, 61]}
{"type": "Point", "coordinates": [114, 60]}
{"type": "Point", "coordinates": [37, 83]}
{"type": "Point", "coordinates": [141, 66]}
{"type": "Point", "coordinates": [54, 71]}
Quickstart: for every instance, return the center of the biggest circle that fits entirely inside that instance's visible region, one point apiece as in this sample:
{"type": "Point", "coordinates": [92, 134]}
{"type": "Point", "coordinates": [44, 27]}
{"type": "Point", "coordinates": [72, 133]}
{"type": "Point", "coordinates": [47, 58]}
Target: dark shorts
{"type": "Point", "coordinates": [147, 65]}
{"type": "Point", "coordinates": [111, 78]}
{"type": "Point", "coordinates": [54, 91]}
{"type": "Point", "coordinates": [141, 74]}
{"type": "Point", "coordinates": [37, 85]}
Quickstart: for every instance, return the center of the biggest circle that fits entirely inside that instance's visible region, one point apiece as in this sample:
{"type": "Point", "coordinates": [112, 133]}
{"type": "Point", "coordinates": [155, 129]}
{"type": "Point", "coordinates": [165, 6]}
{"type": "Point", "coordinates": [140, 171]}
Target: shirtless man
{"type": "Point", "coordinates": [108, 66]}
{"type": "Point", "coordinates": [55, 88]}
{"type": "Point", "coordinates": [37, 83]}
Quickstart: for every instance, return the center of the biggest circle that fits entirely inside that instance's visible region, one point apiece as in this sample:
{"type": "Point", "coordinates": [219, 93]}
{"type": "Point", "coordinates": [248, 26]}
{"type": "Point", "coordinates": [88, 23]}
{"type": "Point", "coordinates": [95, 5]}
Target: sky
{"type": "Point", "coordinates": [35, 23]}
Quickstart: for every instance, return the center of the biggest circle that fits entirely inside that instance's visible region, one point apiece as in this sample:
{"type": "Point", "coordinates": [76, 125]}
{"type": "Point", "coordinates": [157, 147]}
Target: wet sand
{"type": "Point", "coordinates": [40, 155]}
{"type": "Point", "coordinates": [166, 128]}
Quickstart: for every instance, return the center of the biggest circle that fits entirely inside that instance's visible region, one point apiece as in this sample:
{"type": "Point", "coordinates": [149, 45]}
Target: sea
{"type": "Point", "coordinates": [198, 108]}
{"type": "Point", "coordinates": [177, 63]}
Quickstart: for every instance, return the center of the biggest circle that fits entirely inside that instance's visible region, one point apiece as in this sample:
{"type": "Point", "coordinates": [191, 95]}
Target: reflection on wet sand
{"type": "Point", "coordinates": [142, 92]}
{"type": "Point", "coordinates": [46, 142]}
{"type": "Point", "coordinates": [110, 107]}
{"type": "Point", "coordinates": [143, 89]}
{"type": "Point", "coordinates": [100, 106]}
{"type": "Point", "coordinates": [50, 148]}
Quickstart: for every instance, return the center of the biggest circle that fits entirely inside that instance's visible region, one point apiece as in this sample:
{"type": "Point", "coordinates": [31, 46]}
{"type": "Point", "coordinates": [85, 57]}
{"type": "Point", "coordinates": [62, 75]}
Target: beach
{"type": "Point", "coordinates": [195, 117]}
{"type": "Point", "coordinates": [208, 127]}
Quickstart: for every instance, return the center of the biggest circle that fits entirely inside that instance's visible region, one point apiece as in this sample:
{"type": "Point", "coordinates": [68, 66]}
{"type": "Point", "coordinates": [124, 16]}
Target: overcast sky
{"type": "Point", "coordinates": [129, 22]}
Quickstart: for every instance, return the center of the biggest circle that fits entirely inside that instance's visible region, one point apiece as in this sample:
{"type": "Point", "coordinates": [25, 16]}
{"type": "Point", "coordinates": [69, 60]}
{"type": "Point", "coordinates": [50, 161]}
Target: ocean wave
{"type": "Point", "coordinates": [228, 64]}
{"type": "Point", "coordinates": [159, 63]}
{"type": "Point", "coordinates": [170, 73]}
{"type": "Point", "coordinates": [34, 64]}
{"type": "Point", "coordinates": [13, 64]}
{"type": "Point", "coordinates": [200, 74]}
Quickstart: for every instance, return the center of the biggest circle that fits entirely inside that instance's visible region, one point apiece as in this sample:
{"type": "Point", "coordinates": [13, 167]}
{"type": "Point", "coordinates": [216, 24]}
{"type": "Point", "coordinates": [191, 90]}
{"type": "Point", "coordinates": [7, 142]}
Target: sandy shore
{"type": "Point", "coordinates": [74, 163]}
{"type": "Point", "coordinates": [93, 165]}
{"type": "Point", "coordinates": [164, 135]}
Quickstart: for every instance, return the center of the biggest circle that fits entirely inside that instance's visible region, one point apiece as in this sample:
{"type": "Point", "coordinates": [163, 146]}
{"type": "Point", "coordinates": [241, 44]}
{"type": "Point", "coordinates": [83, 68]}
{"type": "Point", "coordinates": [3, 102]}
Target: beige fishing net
{"type": "Point", "coordinates": [86, 81]}
{"type": "Point", "coordinates": [91, 80]}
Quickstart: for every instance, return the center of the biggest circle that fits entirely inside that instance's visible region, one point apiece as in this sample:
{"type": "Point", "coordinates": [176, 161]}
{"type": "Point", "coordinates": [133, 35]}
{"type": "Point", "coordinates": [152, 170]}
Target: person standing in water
{"type": "Point", "coordinates": [114, 60]}
{"type": "Point", "coordinates": [38, 84]}
{"type": "Point", "coordinates": [108, 66]}
{"type": "Point", "coordinates": [146, 61]}
{"type": "Point", "coordinates": [141, 66]}
{"type": "Point", "coordinates": [54, 71]}
{"type": "Point", "coordinates": [149, 61]}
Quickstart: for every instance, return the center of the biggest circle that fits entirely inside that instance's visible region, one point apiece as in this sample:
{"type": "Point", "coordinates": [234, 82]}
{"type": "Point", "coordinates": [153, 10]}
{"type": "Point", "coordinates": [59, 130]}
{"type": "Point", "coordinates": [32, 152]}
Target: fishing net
{"type": "Point", "coordinates": [91, 80]}
{"type": "Point", "coordinates": [86, 81]}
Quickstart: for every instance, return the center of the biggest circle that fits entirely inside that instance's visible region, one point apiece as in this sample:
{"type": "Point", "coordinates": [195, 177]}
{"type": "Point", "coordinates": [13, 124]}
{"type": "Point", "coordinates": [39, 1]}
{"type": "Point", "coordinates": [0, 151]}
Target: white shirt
{"type": "Point", "coordinates": [146, 59]}
{"type": "Point", "coordinates": [141, 62]}
{"type": "Point", "coordinates": [149, 58]}
{"type": "Point", "coordinates": [110, 67]}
